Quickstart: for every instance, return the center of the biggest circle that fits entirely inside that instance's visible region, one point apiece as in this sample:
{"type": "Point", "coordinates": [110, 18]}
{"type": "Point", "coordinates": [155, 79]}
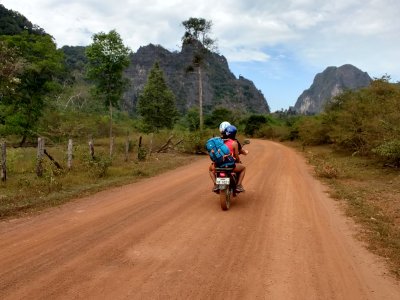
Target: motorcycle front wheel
{"type": "Point", "coordinates": [225, 198]}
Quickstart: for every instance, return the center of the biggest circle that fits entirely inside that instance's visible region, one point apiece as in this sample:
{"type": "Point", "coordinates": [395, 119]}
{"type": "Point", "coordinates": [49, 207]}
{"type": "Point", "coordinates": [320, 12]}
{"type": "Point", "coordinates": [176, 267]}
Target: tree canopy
{"type": "Point", "coordinates": [20, 112]}
{"type": "Point", "coordinates": [198, 29]}
{"type": "Point", "coordinates": [157, 102]}
{"type": "Point", "coordinates": [107, 60]}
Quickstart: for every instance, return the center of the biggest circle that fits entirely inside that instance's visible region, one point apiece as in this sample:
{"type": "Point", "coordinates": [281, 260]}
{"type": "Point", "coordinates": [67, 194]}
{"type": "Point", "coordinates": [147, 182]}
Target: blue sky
{"type": "Point", "coordinates": [278, 44]}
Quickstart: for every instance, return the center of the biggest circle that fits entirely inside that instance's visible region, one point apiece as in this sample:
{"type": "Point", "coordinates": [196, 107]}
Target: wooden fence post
{"type": "Point", "coordinates": [3, 162]}
{"type": "Point", "coordinates": [91, 148]}
{"type": "Point", "coordinates": [127, 147]}
{"type": "Point", "coordinates": [140, 142]}
{"type": "Point", "coordinates": [70, 147]}
{"type": "Point", "coordinates": [112, 141]}
{"type": "Point", "coordinates": [141, 152]}
{"type": "Point", "coordinates": [151, 143]}
{"type": "Point", "coordinates": [40, 153]}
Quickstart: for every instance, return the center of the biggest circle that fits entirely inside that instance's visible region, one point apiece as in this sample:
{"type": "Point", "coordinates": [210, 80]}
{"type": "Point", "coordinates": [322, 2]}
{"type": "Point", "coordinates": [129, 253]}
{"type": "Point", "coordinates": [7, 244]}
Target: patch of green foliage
{"type": "Point", "coordinates": [156, 103]}
{"type": "Point", "coordinates": [20, 112]}
{"type": "Point", "coordinates": [389, 150]}
{"type": "Point", "coordinates": [363, 122]}
{"type": "Point", "coordinates": [25, 192]}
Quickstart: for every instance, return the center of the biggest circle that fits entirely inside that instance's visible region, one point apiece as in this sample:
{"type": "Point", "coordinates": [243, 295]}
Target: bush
{"type": "Point", "coordinates": [363, 120]}
{"type": "Point", "coordinates": [323, 167]}
{"type": "Point", "coordinates": [312, 131]}
{"type": "Point", "coordinates": [142, 153]}
{"type": "Point", "coordinates": [51, 177]}
{"type": "Point", "coordinates": [254, 123]}
{"type": "Point", "coordinates": [268, 131]}
{"type": "Point", "coordinates": [327, 170]}
{"type": "Point", "coordinates": [390, 151]}
{"type": "Point", "coordinates": [97, 166]}
{"type": "Point", "coordinates": [194, 141]}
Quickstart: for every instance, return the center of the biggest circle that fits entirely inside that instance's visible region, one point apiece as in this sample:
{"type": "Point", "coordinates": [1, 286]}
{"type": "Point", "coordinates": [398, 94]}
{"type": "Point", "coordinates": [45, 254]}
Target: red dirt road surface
{"type": "Point", "coordinates": [167, 238]}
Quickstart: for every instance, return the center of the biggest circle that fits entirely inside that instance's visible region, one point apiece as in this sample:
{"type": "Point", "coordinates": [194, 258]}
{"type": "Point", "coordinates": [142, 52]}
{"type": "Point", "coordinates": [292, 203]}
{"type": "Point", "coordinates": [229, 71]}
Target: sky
{"type": "Point", "coordinates": [278, 44]}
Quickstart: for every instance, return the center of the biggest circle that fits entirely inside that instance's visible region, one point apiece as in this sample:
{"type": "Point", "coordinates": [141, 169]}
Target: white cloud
{"type": "Point", "coordinates": [315, 33]}
{"type": "Point", "coordinates": [243, 55]}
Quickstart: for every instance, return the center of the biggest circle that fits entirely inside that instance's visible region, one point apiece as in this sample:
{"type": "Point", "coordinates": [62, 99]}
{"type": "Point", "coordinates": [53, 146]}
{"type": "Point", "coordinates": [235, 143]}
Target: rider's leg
{"type": "Point", "coordinates": [211, 171]}
{"type": "Point", "coordinates": [241, 170]}
{"type": "Point", "coordinates": [241, 176]}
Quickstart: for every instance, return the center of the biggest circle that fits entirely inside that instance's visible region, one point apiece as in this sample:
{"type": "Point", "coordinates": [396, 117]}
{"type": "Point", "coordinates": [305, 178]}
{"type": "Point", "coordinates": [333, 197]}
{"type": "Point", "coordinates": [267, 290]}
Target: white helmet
{"type": "Point", "coordinates": [223, 126]}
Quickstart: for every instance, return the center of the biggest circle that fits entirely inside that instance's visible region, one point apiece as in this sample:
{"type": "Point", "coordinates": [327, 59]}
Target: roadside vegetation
{"type": "Point", "coordinates": [25, 192]}
{"type": "Point", "coordinates": [368, 191]}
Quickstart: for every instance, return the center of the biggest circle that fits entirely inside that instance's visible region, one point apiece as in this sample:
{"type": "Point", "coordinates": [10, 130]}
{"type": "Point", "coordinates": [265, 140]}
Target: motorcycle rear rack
{"type": "Point", "coordinates": [224, 169]}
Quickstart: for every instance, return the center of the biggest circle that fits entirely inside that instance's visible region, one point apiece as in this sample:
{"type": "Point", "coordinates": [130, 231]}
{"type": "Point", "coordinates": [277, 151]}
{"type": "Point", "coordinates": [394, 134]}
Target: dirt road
{"type": "Point", "coordinates": [167, 238]}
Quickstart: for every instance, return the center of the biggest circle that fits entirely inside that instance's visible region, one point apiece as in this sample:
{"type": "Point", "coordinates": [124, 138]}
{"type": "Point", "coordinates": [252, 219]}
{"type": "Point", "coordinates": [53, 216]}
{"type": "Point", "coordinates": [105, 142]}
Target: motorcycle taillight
{"type": "Point", "coordinates": [222, 175]}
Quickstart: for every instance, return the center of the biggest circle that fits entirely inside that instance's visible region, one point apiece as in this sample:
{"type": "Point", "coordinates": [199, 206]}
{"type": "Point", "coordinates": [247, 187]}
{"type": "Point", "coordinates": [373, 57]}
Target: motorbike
{"type": "Point", "coordinates": [226, 181]}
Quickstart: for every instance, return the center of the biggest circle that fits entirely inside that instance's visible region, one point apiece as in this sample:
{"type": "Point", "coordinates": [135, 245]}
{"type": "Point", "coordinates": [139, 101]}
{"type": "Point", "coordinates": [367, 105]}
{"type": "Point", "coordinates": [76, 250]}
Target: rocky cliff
{"type": "Point", "coordinates": [328, 84]}
{"type": "Point", "coordinates": [220, 87]}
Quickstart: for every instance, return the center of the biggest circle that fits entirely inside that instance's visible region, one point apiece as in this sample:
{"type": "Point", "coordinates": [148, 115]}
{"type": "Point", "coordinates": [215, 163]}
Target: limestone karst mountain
{"type": "Point", "coordinates": [328, 84]}
{"type": "Point", "coordinates": [220, 86]}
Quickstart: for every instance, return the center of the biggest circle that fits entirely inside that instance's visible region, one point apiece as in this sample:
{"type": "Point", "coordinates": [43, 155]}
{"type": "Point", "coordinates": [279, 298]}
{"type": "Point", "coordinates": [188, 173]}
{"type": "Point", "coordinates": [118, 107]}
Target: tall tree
{"type": "Point", "coordinates": [107, 60]}
{"type": "Point", "coordinates": [156, 104]}
{"type": "Point", "coordinates": [197, 33]}
{"type": "Point", "coordinates": [20, 112]}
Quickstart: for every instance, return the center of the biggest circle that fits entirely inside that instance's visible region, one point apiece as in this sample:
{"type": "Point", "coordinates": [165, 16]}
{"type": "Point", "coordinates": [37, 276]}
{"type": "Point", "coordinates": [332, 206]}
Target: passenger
{"type": "Point", "coordinates": [231, 142]}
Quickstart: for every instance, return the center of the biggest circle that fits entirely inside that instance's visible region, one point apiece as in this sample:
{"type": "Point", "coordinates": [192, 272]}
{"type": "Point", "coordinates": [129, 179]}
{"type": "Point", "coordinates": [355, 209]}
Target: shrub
{"type": "Point", "coordinates": [97, 166]}
{"type": "Point", "coordinates": [194, 141]}
{"type": "Point", "coordinates": [269, 131]}
{"type": "Point", "coordinates": [326, 170]}
{"type": "Point", "coordinates": [390, 151]}
{"type": "Point", "coordinates": [363, 120]}
{"type": "Point", "coordinates": [311, 131]}
{"type": "Point", "coordinates": [142, 153]}
{"type": "Point", "coordinates": [254, 123]}
{"type": "Point", "coordinates": [51, 177]}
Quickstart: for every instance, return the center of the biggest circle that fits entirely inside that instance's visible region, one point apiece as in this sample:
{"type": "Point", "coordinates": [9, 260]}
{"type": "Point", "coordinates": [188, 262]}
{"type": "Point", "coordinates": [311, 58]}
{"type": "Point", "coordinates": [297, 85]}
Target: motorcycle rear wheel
{"type": "Point", "coordinates": [225, 198]}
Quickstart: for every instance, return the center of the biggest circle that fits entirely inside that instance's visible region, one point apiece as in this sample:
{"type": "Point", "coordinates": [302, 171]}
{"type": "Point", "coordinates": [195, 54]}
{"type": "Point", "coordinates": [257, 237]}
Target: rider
{"type": "Point", "coordinates": [233, 145]}
{"type": "Point", "coordinates": [211, 169]}
{"type": "Point", "coordinates": [222, 130]}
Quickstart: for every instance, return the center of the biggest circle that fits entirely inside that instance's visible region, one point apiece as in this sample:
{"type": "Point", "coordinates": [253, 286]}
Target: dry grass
{"type": "Point", "coordinates": [24, 192]}
{"type": "Point", "coordinates": [370, 193]}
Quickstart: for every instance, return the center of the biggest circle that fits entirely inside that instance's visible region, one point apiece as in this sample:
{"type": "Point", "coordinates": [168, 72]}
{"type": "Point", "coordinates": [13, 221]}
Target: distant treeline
{"type": "Point", "coordinates": [363, 122]}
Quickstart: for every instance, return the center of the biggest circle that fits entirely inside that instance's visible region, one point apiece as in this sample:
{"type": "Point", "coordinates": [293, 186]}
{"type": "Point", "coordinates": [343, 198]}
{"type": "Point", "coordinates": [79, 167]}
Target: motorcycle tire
{"type": "Point", "coordinates": [225, 198]}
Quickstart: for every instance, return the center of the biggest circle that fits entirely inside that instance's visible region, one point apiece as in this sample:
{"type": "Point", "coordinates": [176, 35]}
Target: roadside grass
{"type": "Point", "coordinates": [25, 193]}
{"type": "Point", "coordinates": [370, 194]}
